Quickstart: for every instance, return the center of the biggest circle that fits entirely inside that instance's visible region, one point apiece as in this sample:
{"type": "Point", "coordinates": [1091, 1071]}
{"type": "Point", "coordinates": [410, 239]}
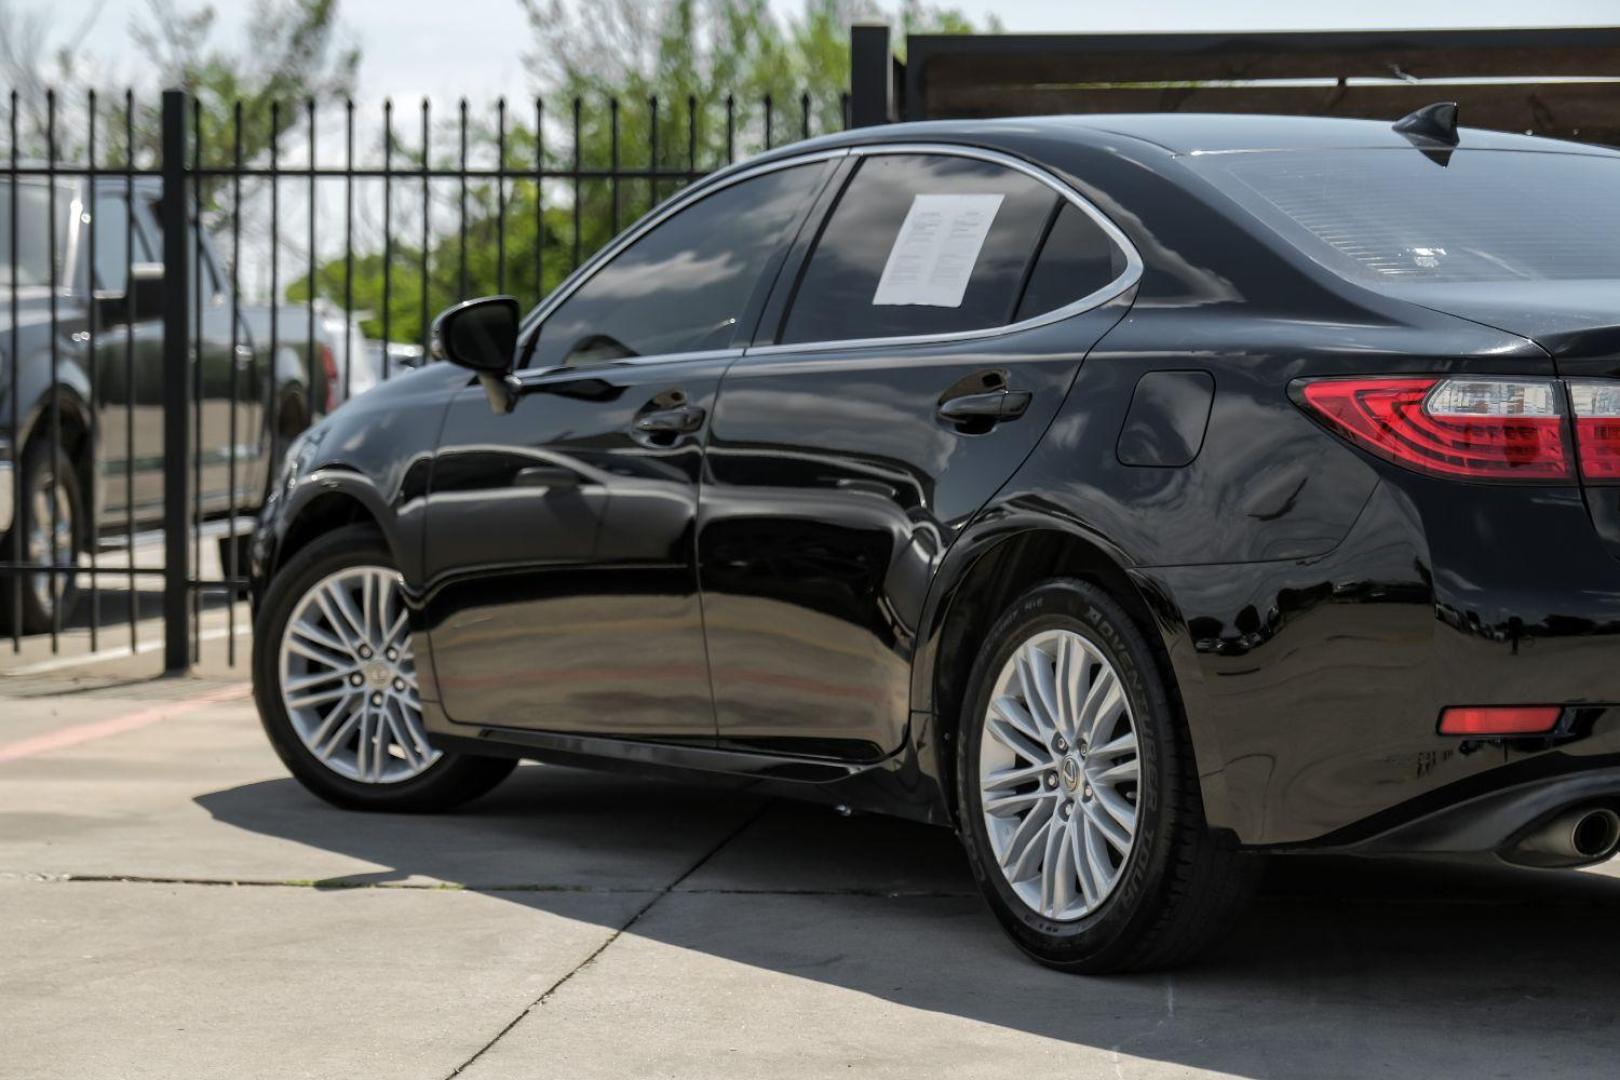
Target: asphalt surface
{"type": "Point", "coordinates": [173, 905]}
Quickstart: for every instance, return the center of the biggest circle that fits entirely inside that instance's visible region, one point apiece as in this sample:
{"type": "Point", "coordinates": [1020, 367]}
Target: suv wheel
{"type": "Point", "coordinates": [52, 530]}
{"type": "Point", "coordinates": [1080, 805]}
{"type": "Point", "coordinates": [334, 675]}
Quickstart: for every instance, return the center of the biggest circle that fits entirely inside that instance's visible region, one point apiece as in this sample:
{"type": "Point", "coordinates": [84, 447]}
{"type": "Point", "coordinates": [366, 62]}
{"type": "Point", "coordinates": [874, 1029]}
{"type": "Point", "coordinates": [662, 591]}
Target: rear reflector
{"type": "Point", "coordinates": [1597, 427]}
{"type": "Point", "coordinates": [1488, 429]}
{"type": "Point", "coordinates": [1500, 719]}
{"type": "Point", "coordinates": [329, 363]}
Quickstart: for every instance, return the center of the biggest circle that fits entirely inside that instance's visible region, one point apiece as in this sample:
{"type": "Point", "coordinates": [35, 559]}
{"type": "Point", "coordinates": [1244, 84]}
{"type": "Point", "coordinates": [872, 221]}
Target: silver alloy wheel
{"type": "Point", "coordinates": [50, 516]}
{"type": "Point", "coordinates": [348, 677]}
{"type": "Point", "coordinates": [1059, 775]}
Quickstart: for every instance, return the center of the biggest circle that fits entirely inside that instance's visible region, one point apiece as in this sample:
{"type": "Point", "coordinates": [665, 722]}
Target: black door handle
{"type": "Point", "coordinates": [993, 406]}
{"type": "Point", "coordinates": [1014, 402]}
{"type": "Point", "coordinates": [681, 420]}
{"type": "Point", "coordinates": [973, 406]}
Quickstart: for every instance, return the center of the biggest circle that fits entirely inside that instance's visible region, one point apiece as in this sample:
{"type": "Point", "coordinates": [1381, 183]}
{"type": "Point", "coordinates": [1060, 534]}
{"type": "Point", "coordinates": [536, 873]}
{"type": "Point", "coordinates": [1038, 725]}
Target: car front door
{"type": "Point", "coordinates": [933, 329]}
{"type": "Point", "coordinates": [561, 580]}
{"type": "Point", "coordinates": [226, 388]}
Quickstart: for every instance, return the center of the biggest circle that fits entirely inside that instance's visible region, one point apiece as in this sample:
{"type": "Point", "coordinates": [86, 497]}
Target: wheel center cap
{"type": "Point", "coordinates": [377, 673]}
{"type": "Point", "coordinates": [1070, 771]}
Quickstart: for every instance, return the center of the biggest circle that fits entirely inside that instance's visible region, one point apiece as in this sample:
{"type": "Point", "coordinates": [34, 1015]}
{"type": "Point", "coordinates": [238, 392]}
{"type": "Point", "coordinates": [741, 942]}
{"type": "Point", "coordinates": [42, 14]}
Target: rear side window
{"type": "Point", "coordinates": [25, 259]}
{"type": "Point", "coordinates": [683, 286]}
{"type": "Point", "coordinates": [1076, 260]}
{"type": "Point", "coordinates": [921, 244]}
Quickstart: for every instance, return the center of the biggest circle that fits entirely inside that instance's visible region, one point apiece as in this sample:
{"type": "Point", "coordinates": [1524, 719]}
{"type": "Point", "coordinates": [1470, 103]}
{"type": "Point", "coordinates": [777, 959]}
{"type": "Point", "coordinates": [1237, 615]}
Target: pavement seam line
{"type": "Point", "coordinates": [600, 949]}
{"type": "Point", "coordinates": [339, 884]}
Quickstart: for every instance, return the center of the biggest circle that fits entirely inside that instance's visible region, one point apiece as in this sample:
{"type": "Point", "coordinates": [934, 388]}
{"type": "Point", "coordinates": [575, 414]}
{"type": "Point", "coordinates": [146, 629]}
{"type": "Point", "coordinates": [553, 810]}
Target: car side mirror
{"type": "Point", "coordinates": [142, 297]}
{"type": "Point", "coordinates": [481, 335]}
{"type": "Point", "coordinates": [145, 291]}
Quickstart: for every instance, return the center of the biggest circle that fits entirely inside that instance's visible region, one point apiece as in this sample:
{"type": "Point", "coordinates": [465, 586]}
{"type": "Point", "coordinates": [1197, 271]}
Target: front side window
{"type": "Point", "coordinates": [113, 254]}
{"type": "Point", "coordinates": [25, 259]}
{"type": "Point", "coordinates": [683, 286]}
{"type": "Point", "coordinates": [921, 244]}
{"type": "Point", "coordinates": [203, 270]}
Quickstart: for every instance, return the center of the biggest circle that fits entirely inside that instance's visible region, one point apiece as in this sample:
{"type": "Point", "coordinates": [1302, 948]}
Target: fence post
{"type": "Point", "coordinates": [870, 75]}
{"type": "Point", "coordinates": [176, 388]}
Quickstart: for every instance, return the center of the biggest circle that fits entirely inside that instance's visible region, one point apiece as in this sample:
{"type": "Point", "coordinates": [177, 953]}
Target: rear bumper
{"type": "Point", "coordinates": [1313, 688]}
{"type": "Point", "coordinates": [1493, 819]}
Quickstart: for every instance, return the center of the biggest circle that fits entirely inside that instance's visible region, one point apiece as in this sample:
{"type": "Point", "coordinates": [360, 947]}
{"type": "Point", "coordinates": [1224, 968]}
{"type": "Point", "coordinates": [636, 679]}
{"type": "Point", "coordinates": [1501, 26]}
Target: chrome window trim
{"type": "Point", "coordinates": [541, 376]}
{"type": "Point", "coordinates": [655, 217]}
{"type": "Point", "coordinates": [73, 252]}
{"type": "Point", "coordinates": [1125, 281]}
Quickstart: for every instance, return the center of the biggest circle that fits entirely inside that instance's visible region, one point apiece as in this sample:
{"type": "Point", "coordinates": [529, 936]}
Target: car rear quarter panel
{"type": "Point", "coordinates": [1317, 607]}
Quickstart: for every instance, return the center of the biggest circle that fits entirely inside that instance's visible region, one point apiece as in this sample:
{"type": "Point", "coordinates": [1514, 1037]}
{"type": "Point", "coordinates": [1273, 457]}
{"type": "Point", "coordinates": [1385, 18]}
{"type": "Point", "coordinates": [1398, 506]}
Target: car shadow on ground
{"type": "Point", "coordinates": [1343, 966]}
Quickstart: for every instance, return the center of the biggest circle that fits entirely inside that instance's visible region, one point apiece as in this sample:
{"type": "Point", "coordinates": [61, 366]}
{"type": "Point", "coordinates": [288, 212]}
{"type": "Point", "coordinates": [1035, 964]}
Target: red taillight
{"type": "Point", "coordinates": [1596, 406]}
{"type": "Point", "coordinates": [1487, 429]}
{"type": "Point", "coordinates": [1500, 719]}
{"type": "Point", "coordinates": [329, 362]}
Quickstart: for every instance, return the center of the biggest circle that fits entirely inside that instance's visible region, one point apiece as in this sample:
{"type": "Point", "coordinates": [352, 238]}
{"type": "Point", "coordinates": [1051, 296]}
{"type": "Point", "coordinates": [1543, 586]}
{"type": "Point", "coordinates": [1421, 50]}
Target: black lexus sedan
{"type": "Point", "coordinates": [1131, 494]}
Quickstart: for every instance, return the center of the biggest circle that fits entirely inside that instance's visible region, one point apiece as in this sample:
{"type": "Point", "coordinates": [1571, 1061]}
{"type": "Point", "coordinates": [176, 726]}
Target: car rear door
{"type": "Point", "coordinates": [560, 536]}
{"type": "Point", "coordinates": [912, 355]}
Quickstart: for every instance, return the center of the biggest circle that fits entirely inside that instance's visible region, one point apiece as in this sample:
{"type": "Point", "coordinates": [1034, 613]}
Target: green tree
{"type": "Point", "coordinates": [691, 78]}
{"type": "Point", "coordinates": [290, 51]}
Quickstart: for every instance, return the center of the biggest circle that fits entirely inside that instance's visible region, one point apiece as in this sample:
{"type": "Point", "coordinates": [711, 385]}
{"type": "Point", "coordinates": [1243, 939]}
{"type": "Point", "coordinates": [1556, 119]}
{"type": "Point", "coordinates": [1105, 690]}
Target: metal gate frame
{"type": "Point", "coordinates": [185, 167]}
{"type": "Point", "coordinates": [177, 585]}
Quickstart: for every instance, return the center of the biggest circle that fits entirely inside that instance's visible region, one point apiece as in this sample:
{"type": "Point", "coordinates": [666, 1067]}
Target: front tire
{"type": "Point", "coordinates": [334, 677]}
{"type": "Point", "coordinates": [1079, 801]}
{"type": "Point", "coordinates": [52, 528]}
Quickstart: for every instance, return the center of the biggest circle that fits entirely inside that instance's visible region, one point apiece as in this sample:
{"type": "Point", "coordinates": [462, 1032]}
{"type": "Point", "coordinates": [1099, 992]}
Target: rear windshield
{"type": "Point", "coordinates": [1388, 217]}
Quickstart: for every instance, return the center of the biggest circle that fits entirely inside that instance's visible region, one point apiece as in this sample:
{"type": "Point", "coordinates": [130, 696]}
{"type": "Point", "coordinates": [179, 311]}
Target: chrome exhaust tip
{"type": "Point", "coordinates": [1597, 833]}
{"type": "Point", "coordinates": [1577, 837]}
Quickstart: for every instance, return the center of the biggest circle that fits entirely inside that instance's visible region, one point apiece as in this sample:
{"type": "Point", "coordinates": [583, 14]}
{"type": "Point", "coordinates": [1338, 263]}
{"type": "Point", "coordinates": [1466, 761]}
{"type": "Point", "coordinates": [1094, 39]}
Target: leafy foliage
{"type": "Point", "coordinates": [664, 90]}
{"type": "Point", "coordinates": [291, 54]}
{"type": "Point", "coordinates": [671, 88]}
{"type": "Point", "coordinates": [291, 51]}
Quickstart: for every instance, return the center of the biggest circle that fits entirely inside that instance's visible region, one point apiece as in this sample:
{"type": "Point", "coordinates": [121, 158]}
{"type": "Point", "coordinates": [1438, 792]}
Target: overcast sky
{"type": "Point", "coordinates": [474, 47]}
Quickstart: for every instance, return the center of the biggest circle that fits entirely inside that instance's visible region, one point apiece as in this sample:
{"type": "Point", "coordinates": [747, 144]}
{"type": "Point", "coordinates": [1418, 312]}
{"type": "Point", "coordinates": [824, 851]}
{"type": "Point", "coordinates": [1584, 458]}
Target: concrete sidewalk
{"type": "Point", "coordinates": [173, 905]}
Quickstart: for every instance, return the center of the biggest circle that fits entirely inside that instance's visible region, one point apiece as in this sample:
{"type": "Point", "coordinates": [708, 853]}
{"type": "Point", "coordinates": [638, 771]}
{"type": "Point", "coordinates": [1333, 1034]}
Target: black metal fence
{"type": "Point", "coordinates": [184, 288]}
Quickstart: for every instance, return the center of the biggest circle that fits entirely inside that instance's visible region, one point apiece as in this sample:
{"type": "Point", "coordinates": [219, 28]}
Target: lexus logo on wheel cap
{"type": "Point", "coordinates": [1071, 773]}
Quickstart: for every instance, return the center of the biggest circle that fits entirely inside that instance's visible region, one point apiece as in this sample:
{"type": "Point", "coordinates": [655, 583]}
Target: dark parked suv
{"type": "Point", "coordinates": [81, 380]}
{"type": "Point", "coordinates": [1131, 494]}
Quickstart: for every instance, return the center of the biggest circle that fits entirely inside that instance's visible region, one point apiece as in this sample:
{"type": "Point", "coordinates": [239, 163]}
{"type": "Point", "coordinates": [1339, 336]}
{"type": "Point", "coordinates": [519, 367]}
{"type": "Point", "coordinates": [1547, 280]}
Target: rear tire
{"type": "Point", "coordinates": [46, 600]}
{"type": "Point", "coordinates": [1154, 898]}
{"type": "Point", "coordinates": [337, 692]}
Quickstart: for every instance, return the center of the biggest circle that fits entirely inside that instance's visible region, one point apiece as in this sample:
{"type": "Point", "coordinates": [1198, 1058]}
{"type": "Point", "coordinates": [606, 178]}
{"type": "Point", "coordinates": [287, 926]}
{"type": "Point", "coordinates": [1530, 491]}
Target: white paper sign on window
{"type": "Point", "coordinates": [932, 258]}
